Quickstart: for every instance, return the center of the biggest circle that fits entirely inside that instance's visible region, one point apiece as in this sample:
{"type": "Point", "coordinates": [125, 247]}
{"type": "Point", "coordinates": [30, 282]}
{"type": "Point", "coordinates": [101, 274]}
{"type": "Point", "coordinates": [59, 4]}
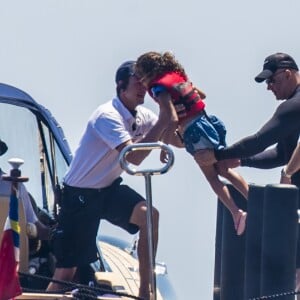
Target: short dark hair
{"type": "Point", "coordinates": [123, 74]}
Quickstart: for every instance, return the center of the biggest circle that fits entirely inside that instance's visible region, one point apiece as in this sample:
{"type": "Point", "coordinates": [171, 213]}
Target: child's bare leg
{"type": "Point", "coordinates": [219, 188]}
{"type": "Point", "coordinates": [224, 195]}
{"type": "Point", "coordinates": [235, 178]}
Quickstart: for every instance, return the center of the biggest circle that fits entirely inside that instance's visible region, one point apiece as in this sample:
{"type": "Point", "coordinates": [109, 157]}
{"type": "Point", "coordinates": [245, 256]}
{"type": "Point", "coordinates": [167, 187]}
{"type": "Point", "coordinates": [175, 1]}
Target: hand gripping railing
{"type": "Point", "coordinates": [147, 174]}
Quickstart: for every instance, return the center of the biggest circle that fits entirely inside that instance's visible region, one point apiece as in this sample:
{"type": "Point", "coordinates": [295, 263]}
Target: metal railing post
{"type": "Point", "coordinates": [147, 173]}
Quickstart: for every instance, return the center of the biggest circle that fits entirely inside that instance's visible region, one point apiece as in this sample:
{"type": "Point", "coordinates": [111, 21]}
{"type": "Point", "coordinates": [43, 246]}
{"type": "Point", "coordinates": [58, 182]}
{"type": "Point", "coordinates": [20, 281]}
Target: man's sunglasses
{"type": "Point", "coordinates": [272, 80]}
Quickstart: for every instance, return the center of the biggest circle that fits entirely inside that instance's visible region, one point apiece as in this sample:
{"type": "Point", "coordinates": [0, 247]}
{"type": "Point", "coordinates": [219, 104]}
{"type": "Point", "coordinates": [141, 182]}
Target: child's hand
{"type": "Point", "coordinates": [200, 93]}
{"type": "Point", "coordinates": [163, 99]}
{"type": "Point", "coordinates": [164, 157]}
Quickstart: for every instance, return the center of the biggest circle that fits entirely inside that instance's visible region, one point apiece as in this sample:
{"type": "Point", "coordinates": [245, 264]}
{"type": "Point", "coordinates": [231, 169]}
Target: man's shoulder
{"type": "Point", "coordinates": [106, 109]}
{"type": "Point", "coordinates": [296, 97]}
{"type": "Point", "coordinates": [107, 106]}
{"type": "Point", "coordinates": [293, 102]}
{"type": "Point", "coordinates": [288, 109]}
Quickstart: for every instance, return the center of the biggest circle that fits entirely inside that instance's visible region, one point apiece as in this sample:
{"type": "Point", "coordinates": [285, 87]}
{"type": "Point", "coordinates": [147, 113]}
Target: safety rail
{"type": "Point", "coordinates": [146, 146]}
{"type": "Point", "coordinates": [147, 173]}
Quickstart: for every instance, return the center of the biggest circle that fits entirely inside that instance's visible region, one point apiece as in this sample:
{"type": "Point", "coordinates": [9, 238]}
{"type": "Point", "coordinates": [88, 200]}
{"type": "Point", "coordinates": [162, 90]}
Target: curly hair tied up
{"type": "Point", "coordinates": [154, 64]}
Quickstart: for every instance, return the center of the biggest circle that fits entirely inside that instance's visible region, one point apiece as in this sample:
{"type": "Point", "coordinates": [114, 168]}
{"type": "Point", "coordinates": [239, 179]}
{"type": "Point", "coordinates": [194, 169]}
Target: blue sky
{"type": "Point", "coordinates": [64, 53]}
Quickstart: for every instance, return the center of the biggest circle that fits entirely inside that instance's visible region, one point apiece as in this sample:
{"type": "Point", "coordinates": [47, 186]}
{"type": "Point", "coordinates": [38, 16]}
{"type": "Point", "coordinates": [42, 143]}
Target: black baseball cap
{"type": "Point", "coordinates": [125, 70]}
{"type": "Point", "coordinates": [274, 62]}
{"type": "Point", "coordinates": [3, 147]}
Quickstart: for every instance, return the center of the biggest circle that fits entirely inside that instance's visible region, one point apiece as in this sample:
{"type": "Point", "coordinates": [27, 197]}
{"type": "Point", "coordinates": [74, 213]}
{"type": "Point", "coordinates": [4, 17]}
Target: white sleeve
{"type": "Point", "coordinates": [112, 130]}
{"type": "Point", "coordinates": [28, 209]}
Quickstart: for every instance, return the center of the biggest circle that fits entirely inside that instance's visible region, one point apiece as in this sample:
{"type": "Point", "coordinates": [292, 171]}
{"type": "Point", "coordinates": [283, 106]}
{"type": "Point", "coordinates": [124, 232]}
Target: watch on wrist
{"type": "Point", "coordinates": [284, 174]}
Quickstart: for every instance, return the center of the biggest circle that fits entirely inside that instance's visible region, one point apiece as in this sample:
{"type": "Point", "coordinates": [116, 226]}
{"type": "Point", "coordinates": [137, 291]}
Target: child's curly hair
{"type": "Point", "coordinates": [153, 64]}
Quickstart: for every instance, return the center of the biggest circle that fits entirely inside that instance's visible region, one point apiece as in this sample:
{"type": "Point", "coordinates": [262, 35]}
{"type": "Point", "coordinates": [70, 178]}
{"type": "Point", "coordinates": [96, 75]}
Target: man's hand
{"type": "Point", "coordinates": [164, 157]}
{"type": "Point", "coordinates": [205, 157]}
{"type": "Point", "coordinates": [285, 178]}
{"type": "Point", "coordinates": [231, 163]}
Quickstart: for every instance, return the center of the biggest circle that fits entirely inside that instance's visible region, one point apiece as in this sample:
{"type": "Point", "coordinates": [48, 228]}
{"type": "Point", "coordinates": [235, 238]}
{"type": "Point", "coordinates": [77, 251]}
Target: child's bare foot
{"type": "Point", "coordinates": [240, 222]}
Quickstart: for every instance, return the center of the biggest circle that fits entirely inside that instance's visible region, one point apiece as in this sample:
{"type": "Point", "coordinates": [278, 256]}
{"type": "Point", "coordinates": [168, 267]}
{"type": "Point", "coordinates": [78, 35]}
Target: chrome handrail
{"type": "Point", "coordinates": [147, 174]}
{"type": "Point", "coordinates": [146, 146]}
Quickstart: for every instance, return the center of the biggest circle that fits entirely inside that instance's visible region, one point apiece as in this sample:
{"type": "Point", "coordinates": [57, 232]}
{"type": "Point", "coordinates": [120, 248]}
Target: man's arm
{"type": "Point", "coordinates": [155, 133]}
{"type": "Point", "coordinates": [283, 123]}
{"type": "Point", "coordinates": [40, 230]}
{"type": "Point", "coordinates": [165, 101]}
{"type": "Point", "coordinates": [273, 157]}
{"type": "Point", "coordinates": [292, 167]}
{"type": "Point", "coordinates": [176, 140]}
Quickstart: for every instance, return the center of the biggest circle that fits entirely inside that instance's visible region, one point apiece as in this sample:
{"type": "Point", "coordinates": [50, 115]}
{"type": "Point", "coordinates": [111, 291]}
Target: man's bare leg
{"type": "Point", "coordinates": [139, 218]}
{"type": "Point", "coordinates": [64, 274]}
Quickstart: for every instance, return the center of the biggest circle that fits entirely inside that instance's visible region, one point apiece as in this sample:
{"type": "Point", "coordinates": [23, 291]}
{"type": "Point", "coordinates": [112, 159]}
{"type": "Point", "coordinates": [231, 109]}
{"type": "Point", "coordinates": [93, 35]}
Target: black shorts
{"type": "Point", "coordinates": [74, 241]}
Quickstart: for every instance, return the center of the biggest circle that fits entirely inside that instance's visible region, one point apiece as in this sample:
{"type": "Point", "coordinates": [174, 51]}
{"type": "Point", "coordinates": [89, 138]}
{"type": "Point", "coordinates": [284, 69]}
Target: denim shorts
{"type": "Point", "coordinates": [205, 132]}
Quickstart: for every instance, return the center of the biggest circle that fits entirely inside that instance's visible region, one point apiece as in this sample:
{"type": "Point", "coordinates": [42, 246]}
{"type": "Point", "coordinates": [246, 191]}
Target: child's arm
{"type": "Point", "coordinates": [169, 136]}
{"type": "Point", "coordinates": [164, 99]}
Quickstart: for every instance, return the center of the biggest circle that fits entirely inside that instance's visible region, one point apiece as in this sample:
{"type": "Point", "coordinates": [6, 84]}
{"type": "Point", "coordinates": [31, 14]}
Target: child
{"type": "Point", "coordinates": [168, 83]}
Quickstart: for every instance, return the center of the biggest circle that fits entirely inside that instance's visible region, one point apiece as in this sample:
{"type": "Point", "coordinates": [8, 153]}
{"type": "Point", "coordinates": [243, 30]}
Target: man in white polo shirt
{"type": "Point", "coordinates": [92, 186]}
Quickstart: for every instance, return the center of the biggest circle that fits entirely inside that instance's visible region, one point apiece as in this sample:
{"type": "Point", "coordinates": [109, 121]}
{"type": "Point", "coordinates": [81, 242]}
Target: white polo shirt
{"type": "Point", "coordinates": [96, 160]}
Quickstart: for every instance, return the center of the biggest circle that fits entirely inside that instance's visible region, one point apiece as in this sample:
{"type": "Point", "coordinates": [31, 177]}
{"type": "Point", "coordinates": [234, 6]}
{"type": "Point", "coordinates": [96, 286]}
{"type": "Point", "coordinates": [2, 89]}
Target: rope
{"type": "Point", "coordinates": [77, 293]}
{"type": "Point", "coordinates": [278, 295]}
{"type": "Point", "coordinates": [84, 294]}
{"type": "Point", "coordinates": [78, 289]}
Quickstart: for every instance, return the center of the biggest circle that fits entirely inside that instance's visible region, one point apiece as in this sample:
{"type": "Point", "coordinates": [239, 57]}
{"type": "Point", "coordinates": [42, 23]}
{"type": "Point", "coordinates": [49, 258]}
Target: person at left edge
{"type": "Point", "coordinates": [34, 227]}
{"type": "Point", "coordinates": [92, 186]}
